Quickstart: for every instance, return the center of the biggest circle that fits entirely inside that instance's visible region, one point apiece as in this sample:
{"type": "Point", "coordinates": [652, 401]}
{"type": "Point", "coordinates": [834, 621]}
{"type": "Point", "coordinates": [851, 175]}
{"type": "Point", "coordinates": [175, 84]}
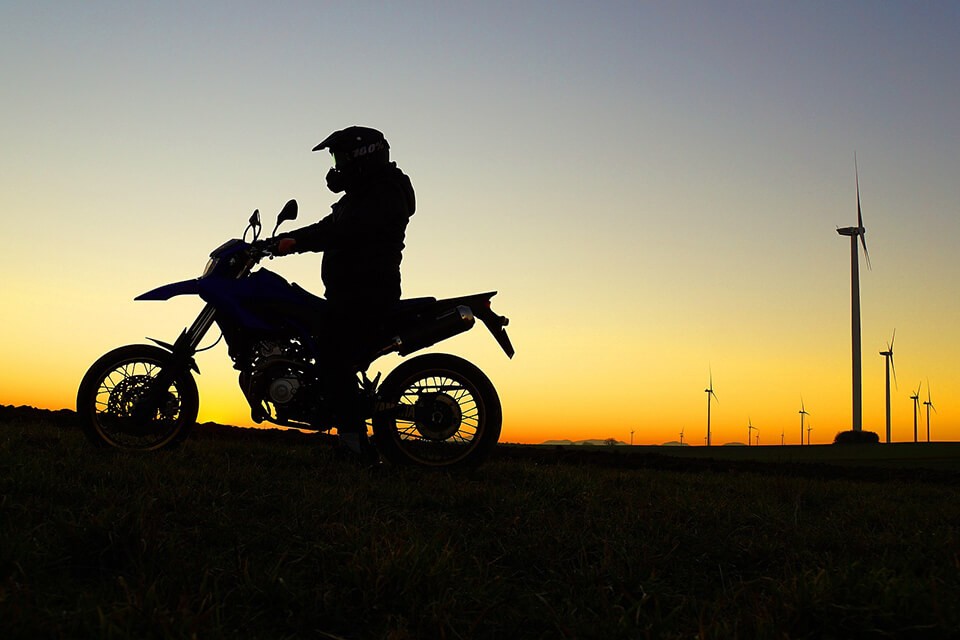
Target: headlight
{"type": "Point", "coordinates": [211, 265]}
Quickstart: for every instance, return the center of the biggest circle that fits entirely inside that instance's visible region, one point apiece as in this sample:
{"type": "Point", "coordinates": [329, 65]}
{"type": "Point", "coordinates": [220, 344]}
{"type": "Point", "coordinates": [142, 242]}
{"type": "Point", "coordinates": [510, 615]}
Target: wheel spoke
{"type": "Point", "coordinates": [117, 403]}
{"type": "Point", "coordinates": [454, 415]}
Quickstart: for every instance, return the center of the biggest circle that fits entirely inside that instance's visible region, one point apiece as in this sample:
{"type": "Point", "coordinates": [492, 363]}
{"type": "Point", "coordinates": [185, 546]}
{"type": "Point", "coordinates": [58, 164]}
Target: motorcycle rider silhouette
{"type": "Point", "coordinates": [303, 359]}
{"type": "Point", "coordinates": [362, 240]}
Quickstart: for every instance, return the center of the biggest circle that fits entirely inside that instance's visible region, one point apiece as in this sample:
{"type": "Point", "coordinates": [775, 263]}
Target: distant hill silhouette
{"type": "Point", "coordinates": [595, 442]}
{"type": "Point", "coordinates": [68, 418]}
{"type": "Point", "coordinates": [600, 454]}
{"type": "Point", "coordinates": [60, 418]}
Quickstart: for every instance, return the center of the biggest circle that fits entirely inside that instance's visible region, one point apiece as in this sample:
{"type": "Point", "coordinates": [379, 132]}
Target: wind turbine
{"type": "Point", "coordinates": [750, 430]}
{"type": "Point", "coordinates": [681, 435]}
{"type": "Point", "coordinates": [803, 412]}
{"type": "Point", "coordinates": [709, 392]}
{"type": "Point", "coordinates": [809, 429]}
{"type": "Point", "coordinates": [853, 233]}
{"type": "Point", "coordinates": [888, 357]}
{"type": "Point", "coordinates": [916, 408]}
{"type": "Point", "coordinates": [929, 405]}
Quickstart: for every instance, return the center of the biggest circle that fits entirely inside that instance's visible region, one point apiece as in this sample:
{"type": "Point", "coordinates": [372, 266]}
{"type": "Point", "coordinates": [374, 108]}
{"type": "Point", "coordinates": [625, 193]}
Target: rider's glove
{"type": "Point", "coordinates": [285, 246]}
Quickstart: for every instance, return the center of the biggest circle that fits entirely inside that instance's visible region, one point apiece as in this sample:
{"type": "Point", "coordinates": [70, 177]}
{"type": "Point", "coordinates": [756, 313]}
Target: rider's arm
{"type": "Point", "coordinates": [314, 237]}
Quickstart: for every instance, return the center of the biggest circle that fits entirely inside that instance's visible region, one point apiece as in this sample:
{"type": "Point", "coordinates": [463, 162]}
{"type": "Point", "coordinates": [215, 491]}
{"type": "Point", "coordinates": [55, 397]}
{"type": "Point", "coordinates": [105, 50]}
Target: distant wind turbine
{"type": "Point", "coordinates": [929, 405]}
{"type": "Point", "coordinates": [888, 357]}
{"type": "Point", "coordinates": [803, 412]}
{"type": "Point", "coordinates": [750, 430]}
{"type": "Point", "coordinates": [916, 408]}
{"type": "Point", "coordinates": [710, 393]}
{"type": "Point", "coordinates": [809, 429]}
{"type": "Point", "coordinates": [681, 435]}
{"type": "Point", "coordinates": [853, 233]}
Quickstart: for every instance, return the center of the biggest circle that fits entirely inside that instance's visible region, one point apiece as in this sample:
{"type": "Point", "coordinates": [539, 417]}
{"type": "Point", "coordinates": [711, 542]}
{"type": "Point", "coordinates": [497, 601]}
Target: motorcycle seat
{"type": "Point", "coordinates": [409, 303]}
{"type": "Point", "coordinates": [409, 306]}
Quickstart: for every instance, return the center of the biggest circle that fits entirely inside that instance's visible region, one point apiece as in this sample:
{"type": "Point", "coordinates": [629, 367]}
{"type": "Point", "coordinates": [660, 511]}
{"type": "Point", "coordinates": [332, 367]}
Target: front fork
{"type": "Point", "coordinates": [181, 360]}
{"type": "Point", "coordinates": [185, 346]}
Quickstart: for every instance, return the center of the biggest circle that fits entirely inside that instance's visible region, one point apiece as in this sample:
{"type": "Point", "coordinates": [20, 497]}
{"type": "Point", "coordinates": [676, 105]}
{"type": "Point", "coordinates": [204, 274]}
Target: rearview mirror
{"type": "Point", "coordinates": [289, 212]}
{"type": "Point", "coordinates": [254, 224]}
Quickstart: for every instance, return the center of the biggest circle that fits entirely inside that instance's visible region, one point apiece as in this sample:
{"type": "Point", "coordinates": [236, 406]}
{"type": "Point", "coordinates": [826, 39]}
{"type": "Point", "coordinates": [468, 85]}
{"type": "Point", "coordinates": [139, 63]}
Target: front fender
{"type": "Point", "coordinates": [167, 291]}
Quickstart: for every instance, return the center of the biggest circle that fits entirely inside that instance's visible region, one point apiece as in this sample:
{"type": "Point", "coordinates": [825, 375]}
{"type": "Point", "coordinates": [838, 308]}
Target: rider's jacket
{"type": "Point", "coordinates": [362, 240]}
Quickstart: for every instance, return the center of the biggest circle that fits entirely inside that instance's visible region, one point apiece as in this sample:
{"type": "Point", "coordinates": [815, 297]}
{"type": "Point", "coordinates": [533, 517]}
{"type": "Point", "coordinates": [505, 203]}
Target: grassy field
{"type": "Point", "coordinates": [275, 538]}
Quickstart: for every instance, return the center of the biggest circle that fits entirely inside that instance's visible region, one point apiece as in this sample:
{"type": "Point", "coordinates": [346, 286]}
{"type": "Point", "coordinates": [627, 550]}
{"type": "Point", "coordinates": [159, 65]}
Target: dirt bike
{"type": "Point", "coordinates": [435, 410]}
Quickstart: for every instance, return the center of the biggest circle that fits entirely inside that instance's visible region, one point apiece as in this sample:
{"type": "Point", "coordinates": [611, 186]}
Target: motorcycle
{"type": "Point", "coordinates": [434, 410]}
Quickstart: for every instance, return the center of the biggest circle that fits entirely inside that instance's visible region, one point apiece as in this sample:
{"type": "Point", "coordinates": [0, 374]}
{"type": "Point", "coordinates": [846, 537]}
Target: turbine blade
{"type": "Point", "coordinates": [859, 210]}
{"type": "Point", "coordinates": [894, 369]}
{"type": "Point", "coordinates": [860, 229]}
{"type": "Point", "coordinates": [856, 173]}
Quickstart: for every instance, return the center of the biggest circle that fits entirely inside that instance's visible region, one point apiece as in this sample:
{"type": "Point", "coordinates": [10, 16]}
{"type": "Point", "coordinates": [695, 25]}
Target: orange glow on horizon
{"type": "Point", "coordinates": [656, 199]}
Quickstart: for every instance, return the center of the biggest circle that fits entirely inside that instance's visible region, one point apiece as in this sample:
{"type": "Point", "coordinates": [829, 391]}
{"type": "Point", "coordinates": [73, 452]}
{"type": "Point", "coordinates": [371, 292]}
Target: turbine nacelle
{"type": "Point", "coordinates": [851, 231]}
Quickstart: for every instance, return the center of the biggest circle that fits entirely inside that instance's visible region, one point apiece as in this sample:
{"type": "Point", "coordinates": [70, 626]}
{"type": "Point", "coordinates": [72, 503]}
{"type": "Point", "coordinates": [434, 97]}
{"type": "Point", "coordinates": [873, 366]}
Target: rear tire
{"type": "Point", "coordinates": [111, 401]}
{"type": "Point", "coordinates": [437, 410]}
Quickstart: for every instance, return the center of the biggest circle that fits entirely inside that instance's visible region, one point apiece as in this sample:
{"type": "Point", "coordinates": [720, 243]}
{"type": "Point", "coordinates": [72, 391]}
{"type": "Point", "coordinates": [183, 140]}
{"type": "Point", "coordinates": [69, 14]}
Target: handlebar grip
{"type": "Point", "coordinates": [264, 248]}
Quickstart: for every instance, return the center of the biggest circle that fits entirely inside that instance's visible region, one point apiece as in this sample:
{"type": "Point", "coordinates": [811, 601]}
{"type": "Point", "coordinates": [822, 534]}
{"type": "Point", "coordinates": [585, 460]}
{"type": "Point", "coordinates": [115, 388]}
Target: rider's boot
{"type": "Point", "coordinates": [355, 445]}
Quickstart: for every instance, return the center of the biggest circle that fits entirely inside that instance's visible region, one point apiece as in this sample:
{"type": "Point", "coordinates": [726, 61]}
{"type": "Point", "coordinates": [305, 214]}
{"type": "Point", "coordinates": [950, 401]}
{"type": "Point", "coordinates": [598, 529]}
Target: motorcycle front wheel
{"type": "Point", "coordinates": [437, 410]}
{"type": "Point", "coordinates": [120, 406]}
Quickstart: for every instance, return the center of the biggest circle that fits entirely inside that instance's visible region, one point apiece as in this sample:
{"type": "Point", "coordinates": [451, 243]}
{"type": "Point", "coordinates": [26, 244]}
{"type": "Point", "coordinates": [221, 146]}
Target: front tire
{"type": "Point", "coordinates": [115, 397]}
{"type": "Point", "coordinates": [437, 410]}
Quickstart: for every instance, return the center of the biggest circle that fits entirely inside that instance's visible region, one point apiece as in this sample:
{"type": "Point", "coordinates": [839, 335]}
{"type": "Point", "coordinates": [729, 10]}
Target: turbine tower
{"type": "Point", "coordinates": [888, 357]}
{"type": "Point", "coordinates": [803, 412]}
{"type": "Point", "coordinates": [681, 435]}
{"type": "Point", "coordinates": [916, 408]}
{"type": "Point", "coordinates": [853, 233]}
{"type": "Point", "coordinates": [929, 405]}
{"type": "Point", "coordinates": [709, 392]}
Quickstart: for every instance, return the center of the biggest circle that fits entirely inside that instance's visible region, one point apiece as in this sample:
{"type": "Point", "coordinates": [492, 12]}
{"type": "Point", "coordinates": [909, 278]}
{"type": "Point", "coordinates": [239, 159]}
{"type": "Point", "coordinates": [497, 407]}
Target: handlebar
{"type": "Point", "coordinates": [274, 247]}
{"type": "Point", "coordinates": [260, 249]}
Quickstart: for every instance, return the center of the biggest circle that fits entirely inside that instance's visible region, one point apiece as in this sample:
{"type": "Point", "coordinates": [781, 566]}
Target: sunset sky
{"type": "Point", "coordinates": [653, 187]}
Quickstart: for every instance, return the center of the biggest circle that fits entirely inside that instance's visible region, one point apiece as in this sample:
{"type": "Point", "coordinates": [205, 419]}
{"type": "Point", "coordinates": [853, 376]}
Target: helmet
{"type": "Point", "coordinates": [358, 152]}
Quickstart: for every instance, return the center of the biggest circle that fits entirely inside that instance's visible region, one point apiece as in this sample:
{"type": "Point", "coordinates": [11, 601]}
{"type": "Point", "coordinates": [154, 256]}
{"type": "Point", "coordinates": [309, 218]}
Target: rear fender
{"type": "Point", "coordinates": [479, 303]}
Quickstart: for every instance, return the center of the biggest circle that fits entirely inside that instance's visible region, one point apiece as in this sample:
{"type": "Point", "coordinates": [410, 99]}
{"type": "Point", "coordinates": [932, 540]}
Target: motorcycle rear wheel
{"type": "Point", "coordinates": [437, 410]}
{"type": "Point", "coordinates": [114, 397]}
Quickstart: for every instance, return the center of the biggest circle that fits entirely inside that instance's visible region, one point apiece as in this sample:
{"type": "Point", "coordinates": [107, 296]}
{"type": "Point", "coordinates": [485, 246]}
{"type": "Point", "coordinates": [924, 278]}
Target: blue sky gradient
{"type": "Point", "coordinates": [653, 187]}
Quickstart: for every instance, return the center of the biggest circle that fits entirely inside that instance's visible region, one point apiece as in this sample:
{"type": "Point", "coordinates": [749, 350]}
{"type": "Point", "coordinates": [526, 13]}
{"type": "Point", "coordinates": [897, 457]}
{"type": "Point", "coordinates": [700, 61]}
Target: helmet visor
{"type": "Point", "coordinates": [340, 158]}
